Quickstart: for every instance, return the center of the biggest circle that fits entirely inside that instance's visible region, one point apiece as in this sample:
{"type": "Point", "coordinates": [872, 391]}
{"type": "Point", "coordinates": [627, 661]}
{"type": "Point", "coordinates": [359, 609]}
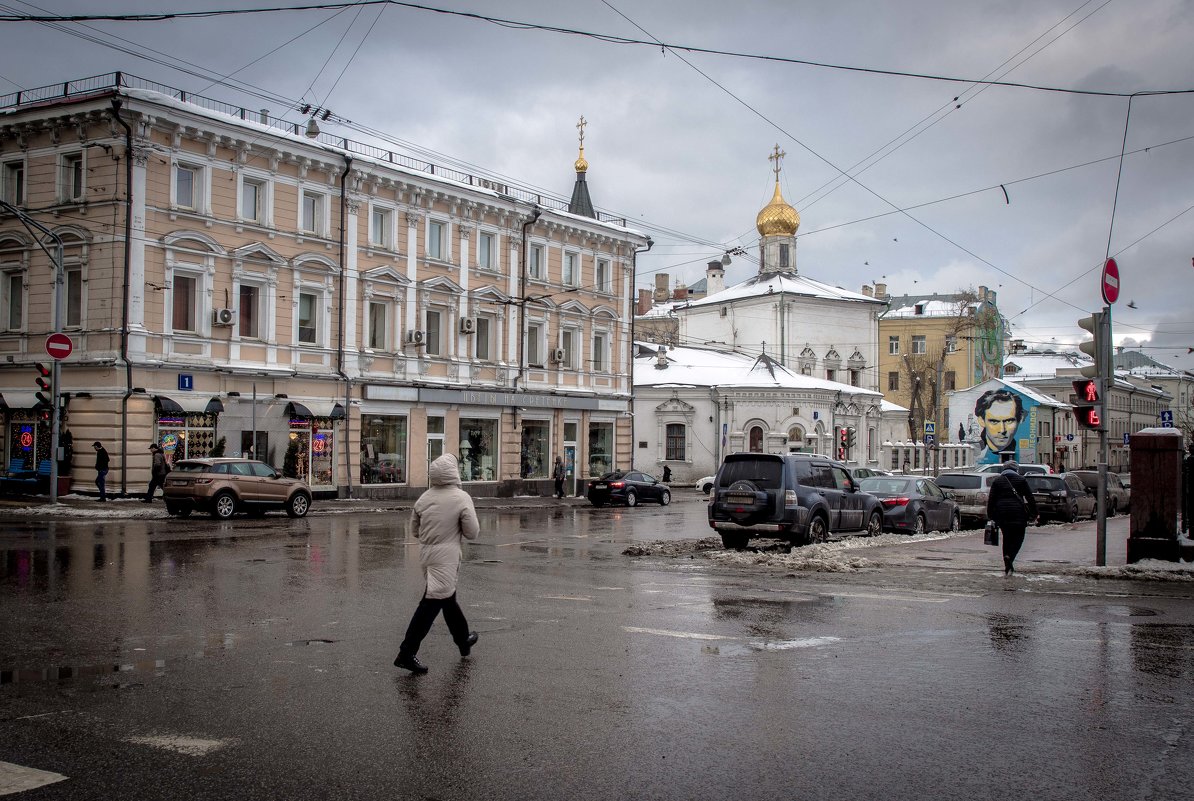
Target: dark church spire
{"type": "Point", "coordinates": [581, 204]}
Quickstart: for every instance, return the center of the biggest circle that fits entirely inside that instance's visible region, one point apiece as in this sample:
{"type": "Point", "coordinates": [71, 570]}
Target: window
{"type": "Point", "coordinates": [250, 311]}
{"type": "Point", "coordinates": [536, 458]}
{"type": "Point", "coordinates": [601, 449]}
{"type": "Point", "coordinates": [74, 297]}
{"type": "Point", "coordinates": [14, 301]}
{"type": "Point", "coordinates": [435, 239]}
{"type": "Point", "coordinates": [567, 343]}
{"type": "Point", "coordinates": [784, 257]}
{"type": "Point", "coordinates": [478, 456]}
{"type": "Point", "coordinates": [918, 344]}
{"type": "Point", "coordinates": [893, 381]}
{"type": "Point", "coordinates": [756, 440]}
{"type": "Point", "coordinates": [383, 449]}
{"type": "Point", "coordinates": [308, 318]}
{"type": "Point", "coordinates": [72, 181]}
{"type": "Point", "coordinates": [13, 188]}
{"type": "Point", "coordinates": [893, 346]}
{"type": "Point", "coordinates": [381, 224]}
{"type": "Point", "coordinates": [951, 344]}
{"type": "Point", "coordinates": [601, 276]}
{"type": "Point", "coordinates": [535, 261]}
{"type": "Point", "coordinates": [486, 251]}
{"type": "Point", "coordinates": [571, 271]}
{"type": "Point", "coordinates": [951, 381]}
{"type": "Point", "coordinates": [313, 204]}
{"type": "Point", "coordinates": [830, 374]}
{"type": "Point", "coordinates": [434, 324]}
{"type": "Point", "coordinates": [482, 339]}
{"type": "Point", "coordinates": [534, 335]}
{"type": "Point", "coordinates": [855, 377]}
{"type": "Point", "coordinates": [599, 346]}
{"type": "Point", "coordinates": [183, 295]}
{"type": "Point", "coordinates": [376, 337]}
{"type": "Point", "coordinates": [674, 443]}
{"type": "Point", "coordinates": [252, 199]}
{"type": "Point", "coordinates": [187, 183]}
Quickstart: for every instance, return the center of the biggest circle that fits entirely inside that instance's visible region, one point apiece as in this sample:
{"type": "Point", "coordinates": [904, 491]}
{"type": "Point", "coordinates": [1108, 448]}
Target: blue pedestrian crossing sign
{"type": "Point", "coordinates": [930, 428]}
{"type": "Point", "coordinates": [1167, 419]}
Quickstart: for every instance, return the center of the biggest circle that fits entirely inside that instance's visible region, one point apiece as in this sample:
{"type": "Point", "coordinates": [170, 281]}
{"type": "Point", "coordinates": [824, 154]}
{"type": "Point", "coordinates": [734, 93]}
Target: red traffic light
{"type": "Point", "coordinates": [1088, 417]}
{"type": "Point", "coordinates": [1087, 390]}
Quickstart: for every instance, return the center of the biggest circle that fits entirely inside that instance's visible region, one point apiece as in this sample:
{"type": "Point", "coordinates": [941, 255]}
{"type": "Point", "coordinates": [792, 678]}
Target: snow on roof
{"type": "Point", "coordinates": [887, 406]}
{"type": "Point", "coordinates": [1043, 364]}
{"type": "Point", "coordinates": [706, 367]}
{"type": "Point", "coordinates": [1013, 382]}
{"type": "Point", "coordinates": [940, 307]}
{"type": "Point", "coordinates": [665, 309]}
{"type": "Point", "coordinates": [774, 283]}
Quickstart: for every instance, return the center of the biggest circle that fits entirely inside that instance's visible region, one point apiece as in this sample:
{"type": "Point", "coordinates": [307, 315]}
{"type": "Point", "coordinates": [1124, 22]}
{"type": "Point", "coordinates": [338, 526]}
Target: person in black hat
{"type": "Point", "coordinates": [101, 469]}
{"type": "Point", "coordinates": [157, 474]}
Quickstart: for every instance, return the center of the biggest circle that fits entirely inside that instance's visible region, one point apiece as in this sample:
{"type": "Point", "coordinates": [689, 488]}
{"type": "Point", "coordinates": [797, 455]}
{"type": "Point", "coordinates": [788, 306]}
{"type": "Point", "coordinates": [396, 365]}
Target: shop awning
{"type": "Point", "coordinates": [18, 398]}
{"type": "Point", "coordinates": [194, 404]}
{"type": "Point", "coordinates": [316, 408]}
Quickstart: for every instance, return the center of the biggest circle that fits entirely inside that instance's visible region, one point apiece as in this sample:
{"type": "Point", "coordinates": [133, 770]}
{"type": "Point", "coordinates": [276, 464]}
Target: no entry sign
{"type": "Point", "coordinates": [59, 346]}
{"type": "Point", "coordinates": [1110, 282]}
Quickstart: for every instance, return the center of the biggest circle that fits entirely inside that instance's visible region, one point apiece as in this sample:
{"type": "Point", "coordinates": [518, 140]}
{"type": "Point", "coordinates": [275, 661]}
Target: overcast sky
{"type": "Point", "coordinates": [678, 142]}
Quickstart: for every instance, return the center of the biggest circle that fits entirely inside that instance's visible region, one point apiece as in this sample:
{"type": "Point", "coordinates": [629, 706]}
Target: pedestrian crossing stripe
{"type": "Point", "coordinates": [18, 778]}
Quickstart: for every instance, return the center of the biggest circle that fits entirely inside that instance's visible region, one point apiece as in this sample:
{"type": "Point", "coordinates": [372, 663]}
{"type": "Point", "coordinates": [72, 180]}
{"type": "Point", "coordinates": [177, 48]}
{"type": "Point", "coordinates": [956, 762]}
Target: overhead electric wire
{"type": "Point", "coordinates": [608, 38]}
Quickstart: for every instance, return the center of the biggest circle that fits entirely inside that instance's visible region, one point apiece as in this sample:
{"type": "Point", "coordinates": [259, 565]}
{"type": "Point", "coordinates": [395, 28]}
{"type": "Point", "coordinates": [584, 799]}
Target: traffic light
{"type": "Point", "coordinates": [1088, 404]}
{"type": "Point", "coordinates": [851, 439]}
{"type": "Point", "coordinates": [843, 438]}
{"type": "Point", "coordinates": [1097, 347]}
{"type": "Point", "coordinates": [43, 398]}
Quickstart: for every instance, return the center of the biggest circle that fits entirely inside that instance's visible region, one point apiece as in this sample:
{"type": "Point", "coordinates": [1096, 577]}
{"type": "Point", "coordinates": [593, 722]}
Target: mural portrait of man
{"type": "Point", "coordinates": [999, 413]}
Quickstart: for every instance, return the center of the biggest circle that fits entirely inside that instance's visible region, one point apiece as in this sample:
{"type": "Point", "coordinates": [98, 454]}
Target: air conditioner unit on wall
{"type": "Point", "coordinates": [415, 337]}
{"type": "Point", "coordinates": [557, 356]}
{"type": "Point", "coordinates": [468, 325]}
{"type": "Point", "coordinates": [222, 317]}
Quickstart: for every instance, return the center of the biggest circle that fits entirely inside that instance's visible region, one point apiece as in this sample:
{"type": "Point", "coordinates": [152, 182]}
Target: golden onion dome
{"type": "Point", "coordinates": [580, 163]}
{"type": "Point", "coordinates": [777, 218]}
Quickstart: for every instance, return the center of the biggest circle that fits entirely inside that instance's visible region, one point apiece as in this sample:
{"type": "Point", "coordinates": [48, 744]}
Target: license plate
{"type": "Point", "coordinates": [735, 498]}
{"type": "Point", "coordinates": [599, 486]}
{"type": "Point", "coordinates": [178, 482]}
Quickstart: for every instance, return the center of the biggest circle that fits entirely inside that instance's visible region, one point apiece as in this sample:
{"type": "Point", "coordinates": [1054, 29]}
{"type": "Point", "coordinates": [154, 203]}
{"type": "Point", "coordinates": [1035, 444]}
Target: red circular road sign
{"type": "Point", "coordinates": [1110, 282]}
{"type": "Point", "coordinates": [59, 346]}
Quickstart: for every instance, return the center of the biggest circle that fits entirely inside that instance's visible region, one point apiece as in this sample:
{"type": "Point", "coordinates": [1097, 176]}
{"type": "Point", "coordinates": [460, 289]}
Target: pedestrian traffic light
{"type": "Point", "coordinates": [43, 400]}
{"type": "Point", "coordinates": [1097, 347]}
{"type": "Point", "coordinates": [843, 443]}
{"type": "Point", "coordinates": [1088, 404]}
{"type": "Point", "coordinates": [851, 439]}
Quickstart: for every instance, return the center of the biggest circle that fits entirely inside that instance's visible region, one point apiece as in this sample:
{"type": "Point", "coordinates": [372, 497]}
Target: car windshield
{"type": "Point", "coordinates": [190, 467]}
{"type": "Point", "coordinates": [947, 481]}
{"type": "Point", "coordinates": [886, 486]}
{"type": "Point", "coordinates": [1090, 479]}
{"type": "Point", "coordinates": [1045, 483]}
{"type": "Point", "coordinates": [765, 473]}
{"type": "Point", "coordinates": [614, 476]}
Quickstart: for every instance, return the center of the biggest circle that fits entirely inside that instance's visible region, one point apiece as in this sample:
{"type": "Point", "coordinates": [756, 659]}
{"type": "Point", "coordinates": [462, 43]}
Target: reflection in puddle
{"type": "Point", "coordinates": [152, 667]}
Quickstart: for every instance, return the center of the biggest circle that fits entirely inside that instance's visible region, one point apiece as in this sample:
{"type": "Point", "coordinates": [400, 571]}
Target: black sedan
{"type": "Point", "coordinates": [913, 504]}
{"type": "Point", "coordinates": [1062, 497]}
{"type": "Point", "coordinates": [628, 487]}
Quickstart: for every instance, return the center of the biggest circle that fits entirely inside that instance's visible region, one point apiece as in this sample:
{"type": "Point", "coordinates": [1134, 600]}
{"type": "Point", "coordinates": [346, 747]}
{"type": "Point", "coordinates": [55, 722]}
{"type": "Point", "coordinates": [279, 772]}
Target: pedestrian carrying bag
{"type": "Point", "coordinates": [991, 533]}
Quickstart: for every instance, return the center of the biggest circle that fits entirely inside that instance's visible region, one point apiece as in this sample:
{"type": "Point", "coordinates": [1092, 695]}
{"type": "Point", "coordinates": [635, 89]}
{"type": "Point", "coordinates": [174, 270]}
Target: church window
{"type": "Point", "coordinates": [830, 374]}
{"type": "Point", "coordinates": [674, 448]}
{"type": "Point", "coordinates": [756, 439]}
{"type": "Point", "coordinates": [783, 257]}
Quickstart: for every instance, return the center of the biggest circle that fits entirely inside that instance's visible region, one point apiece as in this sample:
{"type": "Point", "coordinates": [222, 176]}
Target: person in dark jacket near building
{"type": "Point", "coordinates": [157, 473]}
{"type": "Point", "coordinates": [1011, 505]}
{"type": "Point", "coordinates": [101, 469]}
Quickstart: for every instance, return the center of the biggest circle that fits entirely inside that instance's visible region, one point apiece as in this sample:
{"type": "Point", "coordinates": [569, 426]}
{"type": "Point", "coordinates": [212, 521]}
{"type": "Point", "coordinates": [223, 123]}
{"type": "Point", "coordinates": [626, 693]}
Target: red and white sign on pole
{"type": "Point", "coordinates": [1110, 282]}
{"type": "Point", "coordinates": [59, 346]}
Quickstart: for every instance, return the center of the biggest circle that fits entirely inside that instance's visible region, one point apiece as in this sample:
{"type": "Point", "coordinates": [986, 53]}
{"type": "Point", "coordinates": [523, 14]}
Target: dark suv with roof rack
{"type": "Point", "coordinates": [800, 498]}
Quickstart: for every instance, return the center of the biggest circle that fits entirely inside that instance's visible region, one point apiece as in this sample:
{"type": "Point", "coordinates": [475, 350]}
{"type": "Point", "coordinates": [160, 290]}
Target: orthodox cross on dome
{"type": "Point", "coordinates": [777, 156]}
{"type": "Point", "coordinates": [580, 126]}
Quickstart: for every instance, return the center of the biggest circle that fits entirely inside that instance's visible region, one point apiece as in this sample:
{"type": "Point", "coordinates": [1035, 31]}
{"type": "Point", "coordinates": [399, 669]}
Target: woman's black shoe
{"type": "Point", "coordinates": [467, 646]}
{"type": "Point", "coordinates": [411, 663]}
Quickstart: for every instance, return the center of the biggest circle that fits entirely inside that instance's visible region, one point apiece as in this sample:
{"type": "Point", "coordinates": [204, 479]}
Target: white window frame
{"type": "Point", "coordinates": [951, 344]}
{"type": "Point", "coordinates": [488, 324]}
{"type": "Point", "coordinates": [920, 344]}
{"type": "Point", "coordinates": [69, 165]}
{"type": "Point", "coordinates": [893, 345]}
{"type": "Point", "coordinates": [600, 346]}
{"type": "Point", "coordinates": [198, 275]}
{"type": "Point", "coordinates": [487, 250]}
{"type": "Point", "coordinates": [437, 345]}
{"type": "Point", "coordinates": [13, 277]}
{"type": "Point", "coordinates": [438, 247]}
{"type": "Point", "coordinates": [259, 312]}
{"type": "Point", "coordinates": [320, 213]}
{"type": "Point", "coordinates": [263, 214]}
{"type": "Point", "coordinates": [534, 344]}
{"type": "Point", "coordinates": [198, 186]}
{"type": "Point", "coordinates": [14, 184]}
{"type": "Point", "coordinates": [668, 455]}
{"type": "Point", "coordinates": [536, 261]}
{"type": "Point", "coordinates": [568, 337]}
{"type": "Point", "coordinates": [570, 268]}
{"type": "Point", "coordinates": [372, 306]}
{"type": "Point", "coordinates": [602, 276]}
{"type": "Point", "coordinates": [381, 233]}
{"type": "Point", "coordinates": [320, 296]}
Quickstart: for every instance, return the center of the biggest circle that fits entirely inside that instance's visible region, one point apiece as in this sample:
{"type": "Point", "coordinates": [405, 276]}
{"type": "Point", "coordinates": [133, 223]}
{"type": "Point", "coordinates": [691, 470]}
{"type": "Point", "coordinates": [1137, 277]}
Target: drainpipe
{"type": "Point", "coordinates": [630, 361]}
{"type": "Point", "coordinates": [124, 322]}
{"type": "Point", "coordinates": [340, 324]}
{"type": "Point", "coordinates": [522, 296]}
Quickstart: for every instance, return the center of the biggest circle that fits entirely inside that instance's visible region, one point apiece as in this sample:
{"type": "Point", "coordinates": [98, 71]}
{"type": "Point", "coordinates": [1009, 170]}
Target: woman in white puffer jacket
{"type": "Point", "coordinates": [443, 518]}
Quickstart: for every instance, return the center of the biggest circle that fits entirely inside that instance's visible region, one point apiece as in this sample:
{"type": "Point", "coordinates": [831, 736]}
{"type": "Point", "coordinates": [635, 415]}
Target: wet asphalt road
{"type": "Point", "coordinates": [251, 660]}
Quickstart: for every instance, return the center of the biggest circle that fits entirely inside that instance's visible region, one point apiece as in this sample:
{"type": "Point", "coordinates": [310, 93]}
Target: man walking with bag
{"type": "Point", "coordinates": [1011, 505]}
{"type": "Point", "coordinates": [442, 519]}
{"type": "Point", "coordinates": [101, 469]}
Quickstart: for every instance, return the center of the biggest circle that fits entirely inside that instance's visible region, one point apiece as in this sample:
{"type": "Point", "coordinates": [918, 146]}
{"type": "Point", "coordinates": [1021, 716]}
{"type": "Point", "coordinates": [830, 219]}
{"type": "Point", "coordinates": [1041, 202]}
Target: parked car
{"type": "Point", "coordinates": [859, 473]}
{"type": "Point", "coordinates": [1025, 469]}
{"type": "Point", "coordinates": [705, 485]}
{"type": "Point", "coordinates": [797, 497]}
{"type": "Point", "coordinates": [1126, 480]}
{"type": "Point", "coordinates": [1061, 497]}
{"type": "Point", "coordinates": [1119, 496]}
{"type": "Point", "coordinates": [970, 492]}
{"type": "Point", "coordinates": [913, 504]}
{"type": "Point", "coordinates": [628, 487]}
{"type": "Point", "coordinates": [225, 486]}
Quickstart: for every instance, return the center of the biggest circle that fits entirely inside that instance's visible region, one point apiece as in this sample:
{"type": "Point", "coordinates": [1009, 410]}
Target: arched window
{"type": "Point", "coordinates": [795, 438]}
{"type": "Point", "coordinates": [756, 439]}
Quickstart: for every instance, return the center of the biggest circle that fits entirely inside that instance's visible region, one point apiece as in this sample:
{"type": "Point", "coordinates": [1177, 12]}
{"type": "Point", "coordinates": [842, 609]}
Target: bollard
{"type": "Point", "coordinates": [1156, 494]}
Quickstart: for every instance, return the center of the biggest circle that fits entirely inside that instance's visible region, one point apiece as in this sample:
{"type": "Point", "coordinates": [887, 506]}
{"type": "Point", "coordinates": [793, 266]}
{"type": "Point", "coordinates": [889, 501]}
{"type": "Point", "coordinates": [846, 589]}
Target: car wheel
{"type": "Point", "coordinates": [921, 526]}
{"type": "Point", "coordinates": [223, 505]}
{"type": "Point", "coordinates": [874, 525]}
{"type": "Point", "coordinates": [1071, 514]}
{"type": "Point", "coordinates": [631, 499]}
{"type": "Point", "coordinates": [665, 498]}
{"type": "Point", "coordinates": [734, 542]}
{"type": "Point", "coordinates": [818, 530]}
{"type": "Point", "coordinates": [298, 505]}
{"type": "Point", "coordinates": [707, 488]}
{"type": "Point", "coordinates": [955, 524]}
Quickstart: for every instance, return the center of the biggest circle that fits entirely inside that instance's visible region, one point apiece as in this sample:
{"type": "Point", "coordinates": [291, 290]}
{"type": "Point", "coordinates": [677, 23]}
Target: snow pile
{"type": "Point", "coordinates": [814, 558]}
{"type": "Point", "coordinates": [1145, 569]}
{"type": "Point", "coordinates": [673, 547]}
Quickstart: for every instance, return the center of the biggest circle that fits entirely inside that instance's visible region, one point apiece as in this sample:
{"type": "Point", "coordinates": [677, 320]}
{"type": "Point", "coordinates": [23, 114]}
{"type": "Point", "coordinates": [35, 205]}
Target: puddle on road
{"type": "Point", "coordinates": [1121, 610]}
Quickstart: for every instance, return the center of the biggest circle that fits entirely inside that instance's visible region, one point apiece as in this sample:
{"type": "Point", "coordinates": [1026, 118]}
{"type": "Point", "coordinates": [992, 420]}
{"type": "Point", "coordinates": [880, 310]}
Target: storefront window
{"type": "Point", "coordinates": [478, 455]}
{"type": "Point", "coordinates": [188, 436]}
{"type": "Point", "coordinates": [28, 441]}
{"type": "Point", "coordinates": [535, 455]}
{"type": "Point", "coordinates": [601, 448]}
{"type": "Point", "coordinates": [310, 455]}
{"type": "Point", "coordinates": [383, 450]}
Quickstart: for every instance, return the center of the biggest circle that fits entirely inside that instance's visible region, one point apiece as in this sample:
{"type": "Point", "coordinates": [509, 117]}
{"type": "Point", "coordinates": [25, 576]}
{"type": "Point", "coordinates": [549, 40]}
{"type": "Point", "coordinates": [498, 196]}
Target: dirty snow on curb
{"type": "Point", "coordinates": [830, 557]}
{"type": "Point", "coordinates": [1146, 569]}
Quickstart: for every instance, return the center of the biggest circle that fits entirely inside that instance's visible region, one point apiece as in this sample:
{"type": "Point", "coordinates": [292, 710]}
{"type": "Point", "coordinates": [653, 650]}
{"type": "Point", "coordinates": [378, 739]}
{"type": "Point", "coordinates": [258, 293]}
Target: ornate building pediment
{"type": "Point", "coordinates": [675, 406]}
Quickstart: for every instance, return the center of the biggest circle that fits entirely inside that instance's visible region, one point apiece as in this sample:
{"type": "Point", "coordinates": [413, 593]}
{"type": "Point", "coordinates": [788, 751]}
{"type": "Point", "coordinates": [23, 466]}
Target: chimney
{"type": "Point", "coordinates": [880, 291]}
{"type": "Point", "coordinates": [661, 358]}
{"type": "Point", "coordinates": [715, 278]}
{"type": "Point", "coordinates": [680, 292]}
{"type": "Point", "coordinates": [868, 291]}
{"type": "Point", "coordinates": [264, 116]}
{"type": "Point", "coordinates": [644, 301]}
{"type": "Point", "coordinates": [662, 280]}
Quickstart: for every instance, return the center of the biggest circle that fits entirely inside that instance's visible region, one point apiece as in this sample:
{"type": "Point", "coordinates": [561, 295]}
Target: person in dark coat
{"type": "Point", "coordinates": [558, 474]}
{"type": "Point", "coordinates": [157, 474]}
{"type": "Point", "coordinates": [667, 474]}
{"type": "Point", "coordinates": [101, 469]}
{"type": "Point", "coordinates": [1011, 505]}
